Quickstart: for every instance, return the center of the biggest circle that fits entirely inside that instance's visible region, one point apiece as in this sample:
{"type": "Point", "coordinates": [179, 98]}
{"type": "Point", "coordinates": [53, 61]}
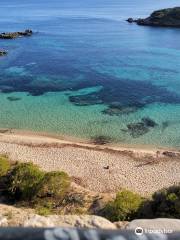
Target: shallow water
{"type": "Point", "coordinates": [86, 72]}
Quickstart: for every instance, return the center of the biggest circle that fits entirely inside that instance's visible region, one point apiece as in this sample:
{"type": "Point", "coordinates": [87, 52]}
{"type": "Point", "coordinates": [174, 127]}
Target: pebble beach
{"type": "Point", "coordinates": [104, 169]}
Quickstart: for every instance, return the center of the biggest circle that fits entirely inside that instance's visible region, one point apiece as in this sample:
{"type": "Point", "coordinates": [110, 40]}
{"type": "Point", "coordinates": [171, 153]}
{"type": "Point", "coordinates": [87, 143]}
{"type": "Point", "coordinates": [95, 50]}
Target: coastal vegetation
{"type": "Point", "coordinates": [164, 204]}
{"type": "Point", "coordinates": [124, 207]}
{"type": "Point", "coordinates": [24, 180]}
{"type": "Point", "coordinates": [4, 165]}
{"type": "Point", "coordinates": [169, 17]}
{"type": "Point", "coordinates": [24, 184]}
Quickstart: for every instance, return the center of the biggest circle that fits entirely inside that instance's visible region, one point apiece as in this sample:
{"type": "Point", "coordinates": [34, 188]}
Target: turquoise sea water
{"type": "Point", "coordinates": [86, 72]}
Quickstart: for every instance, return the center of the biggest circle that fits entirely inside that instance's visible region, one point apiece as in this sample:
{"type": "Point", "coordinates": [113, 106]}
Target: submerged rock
{"type": "Point", "coordinates": [12, 35]}
{"type": "Point", "coordinates": [130, 20]}
{"type": "Point", "coordinates": [140, 128]}
{"type": "Point", "coordinates": [165, 125]}
{"type": "Point", "coordinates": [85, 100]}
{"type": "Point", "coordinates": [118, 109]}
{"type": "Point", "coordinates": [149, 122]}
{"type": "Point", "coordinates": [13, 98]}
{"type": "Point", "coordinates": [137, 129]}
{"type": "Point", "coordinates": [169, 17]}
{"type": "Point", "coordinates": [101, 140]}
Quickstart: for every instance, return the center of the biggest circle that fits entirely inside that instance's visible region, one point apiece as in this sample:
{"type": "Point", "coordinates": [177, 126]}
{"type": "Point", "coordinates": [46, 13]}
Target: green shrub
{"type": "Point", "coordinates": [24, 181]}
{"type": "Point", "coordinates": [44, 207]}
{"type": "Point", "coordinates": [124, 207]}
{"type": "Point", "coordinates": [43, 211]}
{"type": "Point", "coordinates": [54, 185]}
{"type": "Point", "coordinates": [164, 203]}
{"type": "Point", "coordinates": [4, 165]}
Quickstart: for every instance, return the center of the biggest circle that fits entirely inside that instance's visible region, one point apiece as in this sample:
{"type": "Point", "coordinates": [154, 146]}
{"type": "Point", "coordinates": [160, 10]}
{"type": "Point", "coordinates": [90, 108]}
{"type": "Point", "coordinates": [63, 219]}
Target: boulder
{"type": "Point", "coordinates": [3, 221]}
{"type": "Point", "coordinates": [39, 221]}
{"type": "Point", "coordinates": [155, 224]}
{"type": "Point", "coordinates": [130, 20]}
{"type": "Point", "coordinates": [121, 224]}
{"type": "Point", "coordinates": [79, 221]}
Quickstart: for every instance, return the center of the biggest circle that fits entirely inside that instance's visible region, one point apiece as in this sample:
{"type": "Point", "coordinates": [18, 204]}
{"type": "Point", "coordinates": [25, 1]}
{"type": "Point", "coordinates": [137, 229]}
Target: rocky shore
{"type": "Point", "coordinates": [169, 17]}
{"type": "Point", "coordinates": [12, 35]}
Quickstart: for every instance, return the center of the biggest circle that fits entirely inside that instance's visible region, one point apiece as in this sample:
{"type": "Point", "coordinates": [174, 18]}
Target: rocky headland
{"type": "Point", "coordinates": [169, 17]}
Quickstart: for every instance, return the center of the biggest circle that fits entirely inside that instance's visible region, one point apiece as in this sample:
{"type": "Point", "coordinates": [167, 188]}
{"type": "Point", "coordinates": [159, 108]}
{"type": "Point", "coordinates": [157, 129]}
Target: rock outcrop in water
{"type": "Point", "coordinates": [12, 35]}
{"type": "Point", "coordinates": [169, 17]}
{"type": "Point", "coordinates": [3, 52]}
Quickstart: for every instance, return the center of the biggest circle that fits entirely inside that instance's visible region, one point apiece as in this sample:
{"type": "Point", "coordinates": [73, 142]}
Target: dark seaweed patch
{"type": "Point", "coordinates": [149, 122]}
{"type": "Point", "coordinates": [84, 100]}
{"type": "Point", "coordinates": [122, 96]}
{"type": "Point", "coordinates": [140, 128]}
{"type": "Point", "coordinates": [116, 109]}
{"type": "Point", "coordinates": [12, 99]}
{"type": "Point", "coordinates": [101, 140]}
{"type": "Point", "coordinates": [165, 125]}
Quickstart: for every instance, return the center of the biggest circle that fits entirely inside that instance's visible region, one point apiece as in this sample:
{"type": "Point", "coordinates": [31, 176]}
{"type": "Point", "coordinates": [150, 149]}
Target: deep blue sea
{"type": "Point", "coordinates": [87, 73]}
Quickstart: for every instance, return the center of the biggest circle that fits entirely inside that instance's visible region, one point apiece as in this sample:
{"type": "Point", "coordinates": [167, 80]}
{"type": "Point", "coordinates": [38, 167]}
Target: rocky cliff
{"type": "Point", "coordinates": [169, 17]}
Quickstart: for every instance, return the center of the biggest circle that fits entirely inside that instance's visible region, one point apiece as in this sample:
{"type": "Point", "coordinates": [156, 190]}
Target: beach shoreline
{"type": "Point", "coordinates": [25, 136]}
{"type": "Point", "coordinates": [99, 168]}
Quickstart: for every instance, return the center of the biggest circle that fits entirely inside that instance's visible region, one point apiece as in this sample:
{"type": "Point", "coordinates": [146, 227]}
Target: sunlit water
{"type": "Point", "coordinates": [85, 58]}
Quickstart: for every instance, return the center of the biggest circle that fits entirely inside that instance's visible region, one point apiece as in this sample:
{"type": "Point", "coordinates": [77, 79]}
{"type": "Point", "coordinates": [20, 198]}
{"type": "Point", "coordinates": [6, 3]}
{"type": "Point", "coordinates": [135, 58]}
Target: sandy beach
{"type": "Point", "coordinates": [98, 168]}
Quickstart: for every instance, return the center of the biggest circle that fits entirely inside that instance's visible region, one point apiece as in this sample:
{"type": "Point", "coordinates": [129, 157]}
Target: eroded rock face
{"type": "Point", "coordinates": [12, 35]}
{"type": "Point", "coordinates": [169, 17]}
{"type": "Point", "coordinates": [81, 221]}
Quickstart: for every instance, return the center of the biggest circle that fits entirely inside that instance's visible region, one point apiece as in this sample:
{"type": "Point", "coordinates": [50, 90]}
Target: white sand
{"type": "Point", "coordinates": [127, 169]}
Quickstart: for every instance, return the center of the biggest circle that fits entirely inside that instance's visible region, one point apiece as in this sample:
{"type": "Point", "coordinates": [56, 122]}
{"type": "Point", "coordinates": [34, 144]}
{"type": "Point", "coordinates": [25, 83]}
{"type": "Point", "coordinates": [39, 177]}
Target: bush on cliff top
{"type": "Point", "coordinates": [164, 203]}
{"type": "Point", "coordinates": [55, 185]}
{"type": "Point", "coordinates": [4, 165]}
{"type": "Point", "coordinates": [124, 207]}
{"type": "Point", "coordinates": [24, 181]}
